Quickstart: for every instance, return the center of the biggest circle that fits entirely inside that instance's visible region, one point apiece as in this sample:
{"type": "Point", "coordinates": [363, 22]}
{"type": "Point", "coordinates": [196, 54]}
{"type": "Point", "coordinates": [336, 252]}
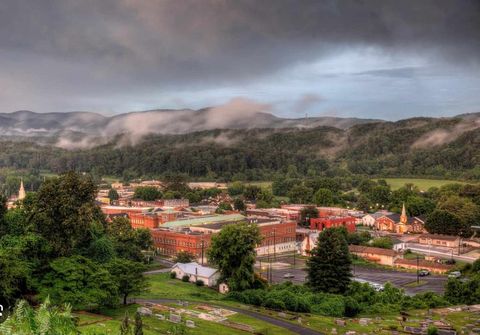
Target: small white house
{"type": "Point", "coordinates": [195, 272]}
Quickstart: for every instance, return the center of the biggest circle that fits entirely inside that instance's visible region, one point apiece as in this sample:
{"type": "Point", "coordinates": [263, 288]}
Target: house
{"type": "Point", "coordinates": [376, 255]}
{"type": "Point", "coordinates": [400, 223]}
{"type": "Point", "coordinates": [195, 272]}
{"type": "Point", "coordinates": [439, 240]}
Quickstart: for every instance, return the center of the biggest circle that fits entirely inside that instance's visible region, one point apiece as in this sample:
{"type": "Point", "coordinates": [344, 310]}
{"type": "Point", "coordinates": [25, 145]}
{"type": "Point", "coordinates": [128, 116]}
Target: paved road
{"type": "Point", "coordinates": [274, 321]}
{"type": "Point", "coordinates": [434, 283]}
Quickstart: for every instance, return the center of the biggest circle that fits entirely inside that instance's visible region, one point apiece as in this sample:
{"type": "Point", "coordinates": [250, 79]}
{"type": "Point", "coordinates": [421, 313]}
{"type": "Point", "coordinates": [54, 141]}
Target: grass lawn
{"type": "Point", "coordinates": [413, 255]}
{"type": "Point", "coordinates": [162, 286]}
{"type": "Point", "coordinates": [423, 184]}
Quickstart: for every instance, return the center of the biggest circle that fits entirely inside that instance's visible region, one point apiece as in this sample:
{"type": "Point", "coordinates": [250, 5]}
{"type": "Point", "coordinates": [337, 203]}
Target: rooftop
{"type": "Point", "coordinates": [194, 268]}
{"type": "Point", "coordinates": [204, 220]}
{"type": "Point", "coordinates": [372, 250]}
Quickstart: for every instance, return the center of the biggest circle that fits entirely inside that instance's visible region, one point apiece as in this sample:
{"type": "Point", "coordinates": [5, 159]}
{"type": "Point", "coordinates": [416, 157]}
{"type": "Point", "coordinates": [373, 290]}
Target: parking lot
{"type": "Point", "coordinates": [284, 265]}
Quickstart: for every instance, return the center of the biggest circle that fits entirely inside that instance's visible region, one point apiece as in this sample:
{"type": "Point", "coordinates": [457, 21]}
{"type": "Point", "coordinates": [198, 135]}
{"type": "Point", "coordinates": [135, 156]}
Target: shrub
{"type": "Point", "coordinates": [331, 305]}
{"type": "Point", "coordinates": [173, 275]}
{"type": "Point", "coordinates": [274, 304]}
{"type": "Point", "coordinates": [199, 282]}
{"type": "Point", "coordinates": [352, 308]}
{"type": "Point", "coordinates": [185, 278]}
{"type": "Point", "coordinates": [253, 297]}
{"type": "Point", "coordinates": [432, 330]}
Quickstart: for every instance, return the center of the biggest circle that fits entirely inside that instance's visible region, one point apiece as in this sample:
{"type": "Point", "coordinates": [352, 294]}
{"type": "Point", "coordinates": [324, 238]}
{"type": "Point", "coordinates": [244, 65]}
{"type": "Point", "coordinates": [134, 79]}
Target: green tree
{"type": "Point", "coordinates": [306, 214]}
{"type": "Point", "coordinates": [443, 222]}
{"type": "Point", "coordinates": [63, 211]}
{"type": "Point", "coordinates": [233, 252]}
{"type": "Point", "coordinates": [239, 205]}
{"type": "Point", "coordinates": [14, 275]}
{"type": "Point", "coordinates": [147, 193]}
{"type": "Point", "coordinates": [236, 188]}
{"type": "Point", "coordinates": [128, 276]}
{"type": "Point", "coordinates": [80, 282]}
{"type": "Point", "coordinates": [251, 192]}
{"type": "Point", "coordinates": [323, 197]}
{"type": "Point", "coordinates": [129, 242]}
{"type": "Point", "coordinates": [328, 268]}
{"type": "Point", "coordinates": [300, 194]}
{"type": "Point", "coordinates": [138, 328]}
{"type": "Point", "coordinates": [184, 257]}
{"type": "Point", "coordinates": [176, 182]}
{"type": "Point", "coordinates": [44, 320]}
{"type": "Point", "coordinates": [113, 195]}
{"type": "Point", "coordinates": [222, 207]}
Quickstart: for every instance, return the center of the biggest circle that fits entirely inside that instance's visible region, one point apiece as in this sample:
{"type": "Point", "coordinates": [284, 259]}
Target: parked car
{"type": "Point", "coordinates": [423, 272]}
{"type": "Point", "coordinates": [455, 274]}
{"type": "Point", "coordinates": [288, 275]}
{"type": "Point", "coordinates": [377, 287]}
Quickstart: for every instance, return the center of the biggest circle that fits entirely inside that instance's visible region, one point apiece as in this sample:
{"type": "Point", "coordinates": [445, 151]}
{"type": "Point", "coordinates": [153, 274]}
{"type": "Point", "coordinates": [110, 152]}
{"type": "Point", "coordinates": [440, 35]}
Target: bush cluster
{"type": "Point", "coordinates": [360, 298]}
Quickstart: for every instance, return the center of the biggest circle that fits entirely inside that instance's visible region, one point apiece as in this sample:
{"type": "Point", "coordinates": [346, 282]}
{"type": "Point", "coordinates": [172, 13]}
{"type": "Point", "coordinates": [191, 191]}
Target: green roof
{"type": "Point", "coordinates": [204, 220]}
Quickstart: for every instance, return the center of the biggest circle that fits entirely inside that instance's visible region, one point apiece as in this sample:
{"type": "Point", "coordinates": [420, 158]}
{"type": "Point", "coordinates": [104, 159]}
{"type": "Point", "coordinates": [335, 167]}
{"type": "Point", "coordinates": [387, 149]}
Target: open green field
{"type": "Point", "coordinates": [422, 184]}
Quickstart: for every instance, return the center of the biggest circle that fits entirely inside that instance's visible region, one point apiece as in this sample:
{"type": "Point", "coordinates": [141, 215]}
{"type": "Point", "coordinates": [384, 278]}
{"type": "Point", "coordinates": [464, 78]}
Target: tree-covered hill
{"type": "Point", "coordinates": [444, 147]}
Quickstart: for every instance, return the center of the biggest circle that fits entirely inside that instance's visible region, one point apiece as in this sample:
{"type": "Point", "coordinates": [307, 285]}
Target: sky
{"type": "Point", "coordinates": [385, 59]}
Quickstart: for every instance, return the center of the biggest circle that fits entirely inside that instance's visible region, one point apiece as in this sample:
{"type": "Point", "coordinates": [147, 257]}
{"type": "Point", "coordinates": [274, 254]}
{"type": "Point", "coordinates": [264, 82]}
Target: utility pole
{"type": "Point", "coordinates": [274, 245]}
{"type": "Point", "coordinates": [418, 275]}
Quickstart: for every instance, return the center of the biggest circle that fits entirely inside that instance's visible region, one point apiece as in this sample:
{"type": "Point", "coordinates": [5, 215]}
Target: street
{"type": "Point", "coordinates": [433, 283]}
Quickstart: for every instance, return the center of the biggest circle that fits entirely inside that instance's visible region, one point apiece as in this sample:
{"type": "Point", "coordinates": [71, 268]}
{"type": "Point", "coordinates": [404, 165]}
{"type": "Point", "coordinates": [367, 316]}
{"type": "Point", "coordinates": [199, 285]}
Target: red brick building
{"type": "Point", "coordinates": [170, 242]}
{"type": "Point", "coordinates": [333, 222]}
{"type": "Point", "coordinates": [276, 236]}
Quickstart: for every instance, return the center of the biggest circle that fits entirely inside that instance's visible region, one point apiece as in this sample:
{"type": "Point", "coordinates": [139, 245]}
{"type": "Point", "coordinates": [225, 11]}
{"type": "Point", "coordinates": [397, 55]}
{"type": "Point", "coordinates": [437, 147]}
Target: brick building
{"type": "Point", "coordinates": [333, 222]}
{"type": "Point", "coordinates": [170, 242]}
{"type": "Point", "coordinates": [277, 237]}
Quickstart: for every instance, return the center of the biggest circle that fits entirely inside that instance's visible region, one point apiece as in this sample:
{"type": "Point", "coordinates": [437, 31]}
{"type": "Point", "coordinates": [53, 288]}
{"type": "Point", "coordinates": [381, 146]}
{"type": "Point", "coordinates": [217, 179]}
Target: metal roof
{"type": "Point", "coordinates": [204, 220]}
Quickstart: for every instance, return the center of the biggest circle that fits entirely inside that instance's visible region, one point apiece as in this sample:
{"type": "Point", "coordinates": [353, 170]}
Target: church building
{"type": "Point", "coordinates": [400, 223]}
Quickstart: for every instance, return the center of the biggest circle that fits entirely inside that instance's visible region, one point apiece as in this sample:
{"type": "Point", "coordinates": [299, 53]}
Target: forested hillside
{"type": "Point", "coordinates": [448, 147]}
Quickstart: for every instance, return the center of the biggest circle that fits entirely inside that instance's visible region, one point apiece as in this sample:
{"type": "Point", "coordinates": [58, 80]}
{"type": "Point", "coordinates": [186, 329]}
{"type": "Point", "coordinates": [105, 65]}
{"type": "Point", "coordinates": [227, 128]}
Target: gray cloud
{"type": "Point", "coordinates": [90, 52]}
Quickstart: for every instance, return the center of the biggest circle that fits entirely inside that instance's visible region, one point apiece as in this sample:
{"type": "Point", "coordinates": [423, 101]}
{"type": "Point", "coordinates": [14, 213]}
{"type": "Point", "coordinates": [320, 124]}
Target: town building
{"type": "Point", "coordinates": [170, 242]}
{"type": "Point", "coordinates": [376, 255]}
{"type": "Point", "coordinates": [195, 272]}
{"type": "Point", "coordinates": [370, 219]}
{"type": "Point", "coordinates": [438, 240]}
{"type": "Point", "coordinates": [423, 264]}
{"type": "Point", "coordinates": [322, 223]}
{"type": "Point", "coordinates": [194, 235]}
{"type": "Point", "coordinates": [400, 223]}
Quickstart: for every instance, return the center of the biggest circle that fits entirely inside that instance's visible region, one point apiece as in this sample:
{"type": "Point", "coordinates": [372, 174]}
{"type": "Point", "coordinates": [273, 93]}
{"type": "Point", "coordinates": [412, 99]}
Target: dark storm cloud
{"type": "Point", "coordinates": [115, 46]}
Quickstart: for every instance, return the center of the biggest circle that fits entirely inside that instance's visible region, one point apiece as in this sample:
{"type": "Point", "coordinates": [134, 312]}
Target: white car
{"type": "Point", "coordinates": [288, 275]}
{"type": "Point", "coordinates": [377, 287]}
{"type": "Point", "coordinates": [455, 274]}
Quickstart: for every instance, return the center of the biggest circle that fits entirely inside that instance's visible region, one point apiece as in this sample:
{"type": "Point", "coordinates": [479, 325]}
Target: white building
{"type": "Point", "coordinates": [195, 272]}
{"type": "Point", "coordinates": [370, 219]}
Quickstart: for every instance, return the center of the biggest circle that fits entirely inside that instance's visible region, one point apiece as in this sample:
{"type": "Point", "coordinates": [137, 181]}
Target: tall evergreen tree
{"type": "Point", "coordinates": [329, 265]}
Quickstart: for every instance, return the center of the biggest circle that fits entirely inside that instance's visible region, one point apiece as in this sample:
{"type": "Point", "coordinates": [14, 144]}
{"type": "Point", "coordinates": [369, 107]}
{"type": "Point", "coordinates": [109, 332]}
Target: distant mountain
{"type": "Point", "coordinates": [152, 143]}
{"type": "Point", "coordinates": [27, 123]}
